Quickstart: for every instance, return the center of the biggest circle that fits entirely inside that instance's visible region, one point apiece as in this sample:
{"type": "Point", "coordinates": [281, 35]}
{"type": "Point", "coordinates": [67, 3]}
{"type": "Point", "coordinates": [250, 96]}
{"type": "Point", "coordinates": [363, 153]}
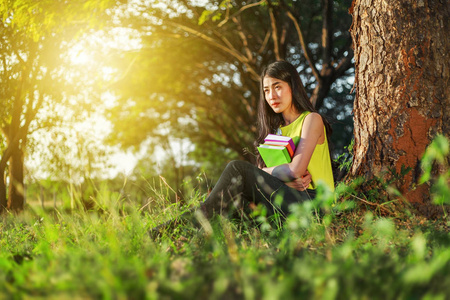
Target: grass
{"type": "Point", "coordinates": [107, 254]}
{"type": "Point", "coordinates": [359, 249]}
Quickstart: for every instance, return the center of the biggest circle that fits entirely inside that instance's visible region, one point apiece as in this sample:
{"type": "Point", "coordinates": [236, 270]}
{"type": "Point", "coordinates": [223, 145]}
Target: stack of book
{"type": "Point", "coordinates": [277, 150]}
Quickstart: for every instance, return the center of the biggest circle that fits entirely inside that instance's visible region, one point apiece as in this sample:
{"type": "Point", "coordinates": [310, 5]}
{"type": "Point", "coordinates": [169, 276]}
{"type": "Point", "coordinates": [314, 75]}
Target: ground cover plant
{"type": "Point", "coordinates": [355, 248]}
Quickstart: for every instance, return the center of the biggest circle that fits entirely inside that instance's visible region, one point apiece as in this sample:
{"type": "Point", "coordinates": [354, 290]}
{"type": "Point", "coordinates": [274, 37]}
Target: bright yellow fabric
{"type": "Point", "coordinates": [320, 164]}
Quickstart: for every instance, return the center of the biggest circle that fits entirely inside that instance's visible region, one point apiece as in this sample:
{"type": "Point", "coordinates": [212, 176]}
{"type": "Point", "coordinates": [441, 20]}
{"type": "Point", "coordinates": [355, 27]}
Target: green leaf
{"type": "Point", "coordinates": [441, 190]}
{"type": "Point", "coordinates": [437, 151]}
{"type": "Point", "coordinates": [204, 17]}
{"type": "Point", "coordinates": [216, 17]}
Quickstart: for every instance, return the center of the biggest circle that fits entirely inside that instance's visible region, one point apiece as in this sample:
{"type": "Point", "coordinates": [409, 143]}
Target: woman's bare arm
{"type": "Point", "coordinates": [312, 134]}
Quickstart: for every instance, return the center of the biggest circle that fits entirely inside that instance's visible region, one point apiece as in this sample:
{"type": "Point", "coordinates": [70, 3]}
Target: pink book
{"type": "Point", "coordinates": [280, 138]}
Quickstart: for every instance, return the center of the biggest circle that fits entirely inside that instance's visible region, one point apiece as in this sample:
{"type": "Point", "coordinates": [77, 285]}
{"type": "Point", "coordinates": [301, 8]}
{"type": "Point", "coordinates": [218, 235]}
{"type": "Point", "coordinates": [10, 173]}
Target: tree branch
{"type": "Point", "coordinates": [240, 11]}
{"type": "Point", "coordinates": [343, 66]}
{"type": "Point", "coordinates": [327, 11]}
{"type": "Point", "coordinates": [226, 41]}
{"type": "Point", "coordinates": [345, 48]}
{"type": "Point", "coordinates": [305, 48]}
{"type": "Point", "coordinates": [243, 38]}
{"type": "Point", "coordinates": [273, 24]}
{"type": "Point", "coordinates": [233, 52]}
{"type": "Point", "coordinates": [264, 43]}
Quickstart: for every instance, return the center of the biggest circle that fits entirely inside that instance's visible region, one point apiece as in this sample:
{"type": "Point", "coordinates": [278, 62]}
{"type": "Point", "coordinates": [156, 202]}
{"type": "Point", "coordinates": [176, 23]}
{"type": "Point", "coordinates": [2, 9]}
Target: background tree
{"type": "Point", "coordinates": [33, 35]}
{"type": "Point", "coordinates": [197, 73]}
{"type": "Point", "coordinates": [402, 87]}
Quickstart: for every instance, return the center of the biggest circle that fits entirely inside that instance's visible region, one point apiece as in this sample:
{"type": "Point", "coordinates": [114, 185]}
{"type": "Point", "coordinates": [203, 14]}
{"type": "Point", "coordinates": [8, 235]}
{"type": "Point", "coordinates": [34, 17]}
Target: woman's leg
{"type": "Point", "coordinates": [242, 183]}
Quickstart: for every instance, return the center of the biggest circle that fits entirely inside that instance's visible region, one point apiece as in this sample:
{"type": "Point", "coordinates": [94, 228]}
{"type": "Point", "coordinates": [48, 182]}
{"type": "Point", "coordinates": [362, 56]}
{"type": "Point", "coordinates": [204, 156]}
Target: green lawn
{"type": "Point", "coordinates": [108, 254]}
{"type": "Point", "coordinates": [345, 245]}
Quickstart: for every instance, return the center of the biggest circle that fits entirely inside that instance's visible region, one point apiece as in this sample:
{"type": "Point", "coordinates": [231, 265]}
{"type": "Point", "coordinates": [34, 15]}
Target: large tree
{"type": "Point", "coordinates": [402, 90]}
{"type": "Point", "coordinates": [33, 36]}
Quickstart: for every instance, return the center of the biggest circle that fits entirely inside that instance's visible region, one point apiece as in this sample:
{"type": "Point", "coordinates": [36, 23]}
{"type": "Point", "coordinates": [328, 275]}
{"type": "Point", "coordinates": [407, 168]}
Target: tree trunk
{"type": "Point", "coordinates": [16, 197]}
{"type": "Point", "coordinates": [323, 86]}
{"type": "Point", "coordinates": [402, 89]}
{"type": "Point", "coordinates": [3, 186]}
{"type": "Point", "coordinates": [3, 197]}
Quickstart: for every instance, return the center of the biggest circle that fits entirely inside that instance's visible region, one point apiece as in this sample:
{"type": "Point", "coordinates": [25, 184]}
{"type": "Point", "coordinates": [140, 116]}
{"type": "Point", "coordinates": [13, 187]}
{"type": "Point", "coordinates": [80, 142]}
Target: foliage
{"type": "Point", "coordinates": [337, 109]}
{"type": "Point", "coordinates": [174, 85]}
{"type": "Point", "coordinates": [34, 81]}
{"type": "Point", "coordinates": [438, 153]}
{"type": "Point", "coordinates": [36, 19]}
{"type": "Point", "coordinates": [200, 81]}
{"type": "Point", "coordinates": [346, 158]}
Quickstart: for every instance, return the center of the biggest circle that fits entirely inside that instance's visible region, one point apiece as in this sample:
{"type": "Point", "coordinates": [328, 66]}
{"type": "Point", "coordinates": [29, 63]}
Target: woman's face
{"type": "Point", "coordinates": [278, 94]}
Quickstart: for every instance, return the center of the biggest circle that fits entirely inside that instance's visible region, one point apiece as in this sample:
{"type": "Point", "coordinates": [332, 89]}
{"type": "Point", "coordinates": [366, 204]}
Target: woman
{"type": "Point", "coordinates": [284, 108]}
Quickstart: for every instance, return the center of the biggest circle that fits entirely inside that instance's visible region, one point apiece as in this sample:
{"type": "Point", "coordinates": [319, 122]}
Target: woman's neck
{"type": "Point", "coordinates": [290, 116]}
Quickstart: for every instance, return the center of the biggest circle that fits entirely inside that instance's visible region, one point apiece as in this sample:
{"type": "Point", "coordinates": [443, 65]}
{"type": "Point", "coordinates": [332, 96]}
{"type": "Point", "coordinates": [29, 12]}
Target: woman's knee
{"type": "Point", "coordinates": [239, 164]}
{"type": "Point", "coordinates": [238, 171]}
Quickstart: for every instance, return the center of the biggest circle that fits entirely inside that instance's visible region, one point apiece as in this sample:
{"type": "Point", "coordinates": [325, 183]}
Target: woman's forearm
{"type": "Point", "coordinates": [282, 172]}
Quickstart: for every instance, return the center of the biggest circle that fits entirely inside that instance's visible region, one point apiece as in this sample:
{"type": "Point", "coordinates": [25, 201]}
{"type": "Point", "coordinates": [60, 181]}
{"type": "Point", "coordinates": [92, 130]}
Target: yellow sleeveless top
{"type": "Point", "coordinates": [320, 164]}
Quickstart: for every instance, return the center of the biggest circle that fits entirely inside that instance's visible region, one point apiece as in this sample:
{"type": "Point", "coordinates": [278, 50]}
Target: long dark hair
{"type": "Point", "coordinates": [268, 120]}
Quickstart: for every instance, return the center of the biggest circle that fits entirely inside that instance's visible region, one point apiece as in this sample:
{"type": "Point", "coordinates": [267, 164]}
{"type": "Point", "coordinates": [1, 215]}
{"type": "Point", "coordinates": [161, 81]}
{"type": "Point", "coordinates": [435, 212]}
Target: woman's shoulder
{"type": "Point", "coordinates": [314, 117]}
{"type": "Point", "coordinates": [314, 127]}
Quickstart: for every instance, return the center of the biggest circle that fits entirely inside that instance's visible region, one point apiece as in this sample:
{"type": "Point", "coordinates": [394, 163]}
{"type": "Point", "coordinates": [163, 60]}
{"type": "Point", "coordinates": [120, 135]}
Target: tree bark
{"type": "Point", "coordinates": [16, 195]}
{"type": "Point", "coordinates": [3, 198]}
{"type": "Point", "coordinates": [402, 86]}
{"type": "Point", "coordinates": [13, 146]}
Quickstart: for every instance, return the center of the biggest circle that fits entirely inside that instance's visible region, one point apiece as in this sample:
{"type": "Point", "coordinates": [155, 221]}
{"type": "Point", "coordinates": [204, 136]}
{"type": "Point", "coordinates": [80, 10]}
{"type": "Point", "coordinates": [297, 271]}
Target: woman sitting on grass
{"type": "Point", "coordinates": [284, 109]}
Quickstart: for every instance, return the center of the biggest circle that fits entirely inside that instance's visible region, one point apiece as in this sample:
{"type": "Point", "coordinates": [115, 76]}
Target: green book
{"type": "Point", "coordinates": [274, 155]}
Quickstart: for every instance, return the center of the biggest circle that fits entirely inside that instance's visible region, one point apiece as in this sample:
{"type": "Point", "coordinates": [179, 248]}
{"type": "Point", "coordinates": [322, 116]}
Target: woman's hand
{"type": "Point", "coordinates": [301, 183]}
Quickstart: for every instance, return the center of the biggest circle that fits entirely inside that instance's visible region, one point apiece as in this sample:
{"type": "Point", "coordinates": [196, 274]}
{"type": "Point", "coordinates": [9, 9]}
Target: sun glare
{"type": "Point", "coordinates": [89, 63]}
{"type": "Point", "coordinates": [79, 56]}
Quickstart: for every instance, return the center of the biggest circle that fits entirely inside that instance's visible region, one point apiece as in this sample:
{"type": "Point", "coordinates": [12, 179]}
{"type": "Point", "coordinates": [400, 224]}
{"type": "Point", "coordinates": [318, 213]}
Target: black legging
{"type": "Point", "coordinates": [242, 183]}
